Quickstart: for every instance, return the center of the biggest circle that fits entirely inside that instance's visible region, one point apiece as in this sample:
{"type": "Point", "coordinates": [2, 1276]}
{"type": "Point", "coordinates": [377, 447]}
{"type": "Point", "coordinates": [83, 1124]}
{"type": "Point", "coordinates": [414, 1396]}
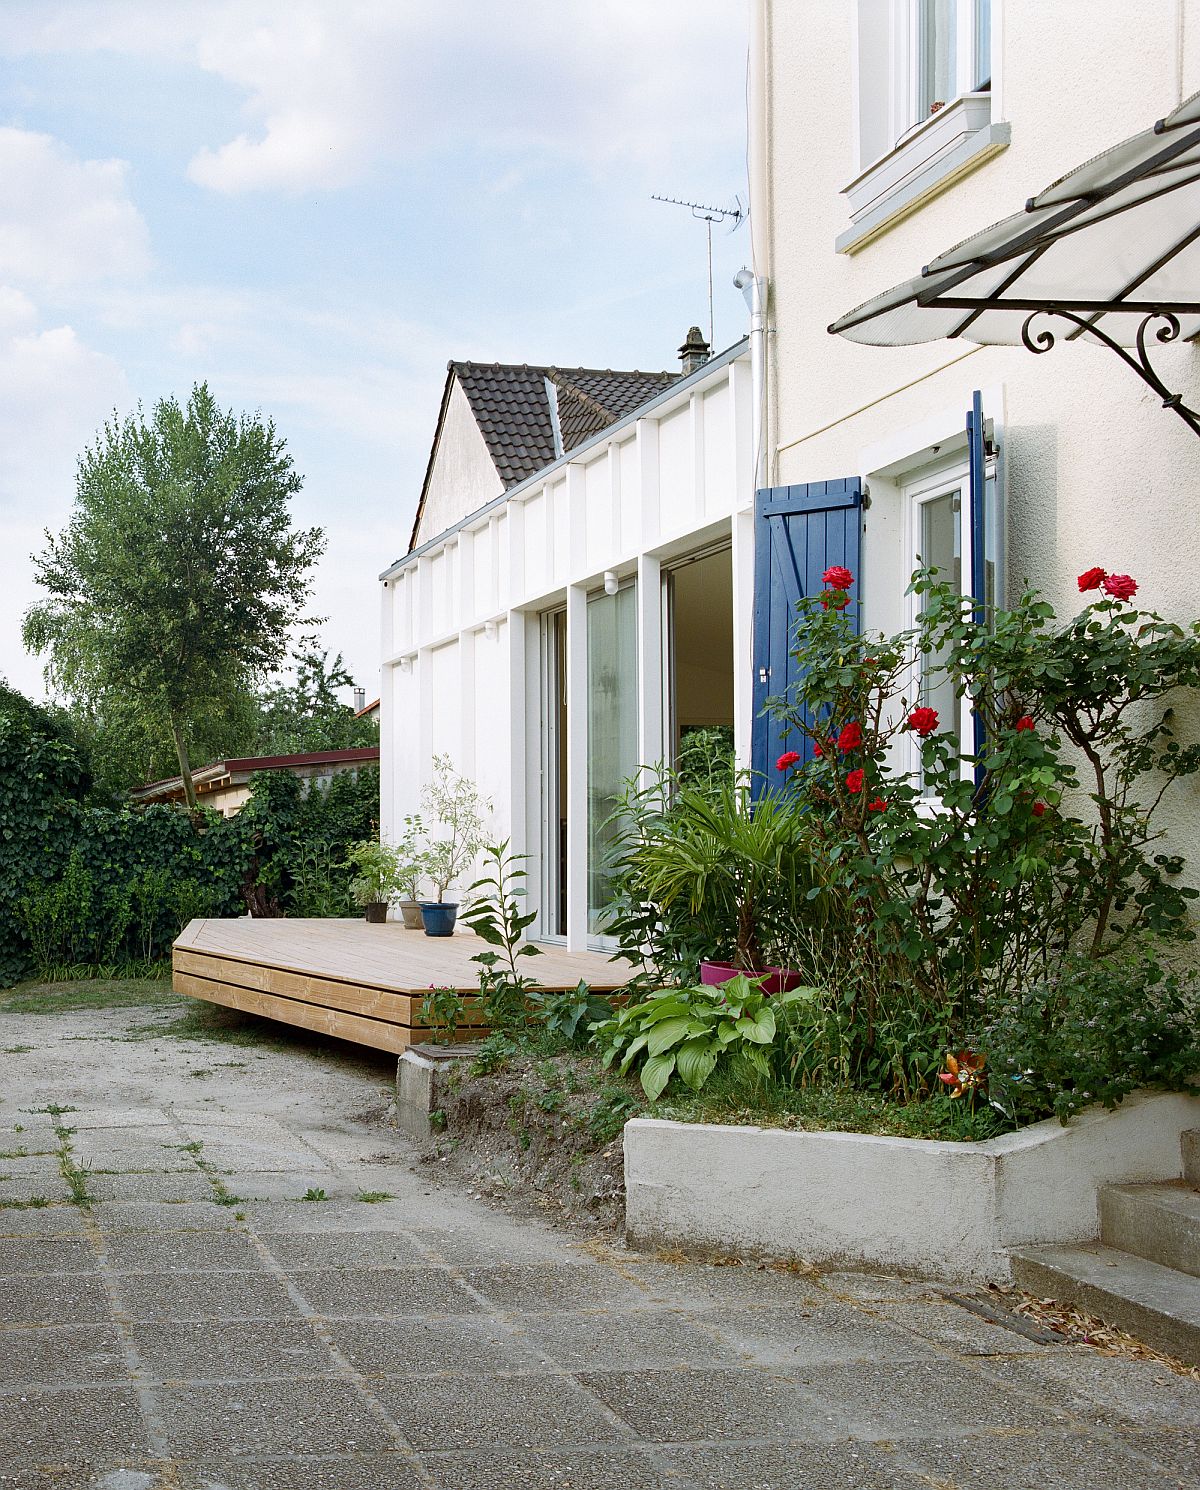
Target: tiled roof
{"type": "Point", "coordinates": [513, 411]}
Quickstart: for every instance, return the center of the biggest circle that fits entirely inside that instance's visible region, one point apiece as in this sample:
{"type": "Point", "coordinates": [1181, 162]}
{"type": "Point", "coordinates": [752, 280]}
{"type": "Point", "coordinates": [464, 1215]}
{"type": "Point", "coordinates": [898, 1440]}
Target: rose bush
{"type": "Point", "coordinates": [964, 876]}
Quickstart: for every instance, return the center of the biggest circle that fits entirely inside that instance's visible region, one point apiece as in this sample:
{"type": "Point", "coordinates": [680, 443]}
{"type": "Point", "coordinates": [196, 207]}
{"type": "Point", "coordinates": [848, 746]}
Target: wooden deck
{"type": "Point", "coordinates": [353, 980]}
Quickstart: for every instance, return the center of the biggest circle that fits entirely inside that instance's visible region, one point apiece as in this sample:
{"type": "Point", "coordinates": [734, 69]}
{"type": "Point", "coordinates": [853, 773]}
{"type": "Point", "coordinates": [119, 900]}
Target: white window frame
{"type": "Point", "coordinates": [906, 64]}
{"type": "Point", "coordinates": [916, 493]}
{"type": "Point", "coordinates": [925, 154]}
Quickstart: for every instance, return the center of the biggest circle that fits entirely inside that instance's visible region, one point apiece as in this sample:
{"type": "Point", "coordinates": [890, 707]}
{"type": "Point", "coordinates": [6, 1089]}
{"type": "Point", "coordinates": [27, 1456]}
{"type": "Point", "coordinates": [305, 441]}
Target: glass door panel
{"type": "Point", "coordinates": [941, 548]}
{"type": "Point", "coordinates": [612, 702]}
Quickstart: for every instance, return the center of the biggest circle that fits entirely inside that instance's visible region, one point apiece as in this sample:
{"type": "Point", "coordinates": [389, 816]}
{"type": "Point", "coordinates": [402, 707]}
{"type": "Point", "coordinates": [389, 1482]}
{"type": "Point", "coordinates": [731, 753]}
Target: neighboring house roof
{"type": "Point", "coordinates": [526, 424]}
{"type": "Point", "coordinates": [369, 711]}
{"type": "Point", "coordinates": [230, 772]}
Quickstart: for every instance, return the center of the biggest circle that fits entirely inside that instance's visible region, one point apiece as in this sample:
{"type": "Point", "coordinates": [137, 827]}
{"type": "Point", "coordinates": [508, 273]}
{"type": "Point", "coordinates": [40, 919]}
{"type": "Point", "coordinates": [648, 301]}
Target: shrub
{"type": "Point", "coordinates": [692, 1031]}
{"type": "Point", "coordinates": [1094, 1031]}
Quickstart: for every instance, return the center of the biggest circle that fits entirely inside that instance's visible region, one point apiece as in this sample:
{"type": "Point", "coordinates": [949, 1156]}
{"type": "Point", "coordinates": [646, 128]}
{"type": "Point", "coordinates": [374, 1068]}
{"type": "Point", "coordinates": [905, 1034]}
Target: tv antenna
{"type": "Point", "coordinates": [708, 215]}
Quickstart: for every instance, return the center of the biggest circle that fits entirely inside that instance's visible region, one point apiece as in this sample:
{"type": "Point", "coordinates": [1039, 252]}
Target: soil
{"type": "Point", "coordinates": [540, 1135]}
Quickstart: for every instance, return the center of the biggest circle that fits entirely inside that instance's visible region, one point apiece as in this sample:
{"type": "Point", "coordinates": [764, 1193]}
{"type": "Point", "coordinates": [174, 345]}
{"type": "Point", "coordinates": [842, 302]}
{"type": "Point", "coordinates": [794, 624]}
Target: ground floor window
{"type": "Point", "coordinates": [612, 731]}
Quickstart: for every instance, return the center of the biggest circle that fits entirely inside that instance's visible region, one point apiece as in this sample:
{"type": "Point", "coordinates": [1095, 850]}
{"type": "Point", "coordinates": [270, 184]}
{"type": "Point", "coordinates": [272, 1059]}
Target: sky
{"type": "Point", "coordinates": [314, 205]}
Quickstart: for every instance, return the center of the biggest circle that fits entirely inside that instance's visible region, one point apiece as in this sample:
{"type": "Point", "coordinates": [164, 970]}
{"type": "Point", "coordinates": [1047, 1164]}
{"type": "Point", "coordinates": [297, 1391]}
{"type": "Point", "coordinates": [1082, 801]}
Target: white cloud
{"type": "Point", "coordinates": [333, 86]}
{"type": "Point", "coordinates": [63, 220]}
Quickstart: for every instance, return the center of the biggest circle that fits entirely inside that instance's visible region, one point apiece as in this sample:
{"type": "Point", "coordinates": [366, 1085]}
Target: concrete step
{"type": "Point", "coordinates": [1190, 1142]}
{"type": "Point", "coordinates": [1158, 1305]}
{"type": "Point", "coordinates": [1158, 1222]}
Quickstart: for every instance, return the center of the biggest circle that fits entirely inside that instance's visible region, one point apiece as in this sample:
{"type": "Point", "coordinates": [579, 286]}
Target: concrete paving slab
{"type": "Point", "coordinates": [30, 1256]}
{"type": "Point", "coordinates": [344, 1249]}
{"type": "Point", "coordinates": [59, 1298]}
{"type": "Point", "coordinates": [468, 1412]}
{"type": "Point", "coordinates": [423, 1346]}
{"type": "Point", "coordinates": [641, 1339]}
{"type": "Point", "coordinates": [697, 1286]}
{"type": "Point", "coordinates": [378, 1293]}
{"type": "Point", "coordinates": [1100, 1388]}
{"type": "Point", "coordinates": [288, 1184]}
{"type": "Point", "coordinates": [794, 1466]}
{"type": "Point", "coordinates": [784, 1335]}
{"type": "Point", "coordinates": [679, 1406]}
{"type": "Point", "coordinates": [54, 1355]}
{"type": "Point", "coordinates": [175, 1296]}
{"type": "Point", "coordinates": [372, 1472]}
{"type": "Point", "coordinates": [160, 1187]}
{"type": "Point", "coordinates": [535, 1287]}
{"type": "Point", "coordinates": [251, 1157]}
{"type": "Point", "coordinates": [493, 1245]}
{"type": "Point", "coordinates": [59, 1219]}
{"type": "Point", "coordinates": [117, 1216]}
{"type": "Point", "coordinates": [74, 1426]}
{"type": "Point", "coordinates": [609, 1469]}
{"type": "Point", "coordinates": [962, 1330]}
{"type": "Point", "coordinates": [878, 1401]}
{"type": "Point", "coordinates": [1041, 1461]}
{"type": "Point", "coordinates": [140, 1478]}
{"type": "Point", "coordinates": [31, 1167]}
{"type": "Point", "coordinates": [273, 1417]}
{"type": "Point", "coordinates": [117, 1117]}
{"type": "Point", "coordinates": [182, 1252]}
{"type": "Point", "coordinates": [340, 1214]}
{"type": "Point", "coordinates": [46, 1185]}
{"type": "Point", "coordinates": [230, 1349]}
{"type": "Point", "coordinates": [1176, 1451]}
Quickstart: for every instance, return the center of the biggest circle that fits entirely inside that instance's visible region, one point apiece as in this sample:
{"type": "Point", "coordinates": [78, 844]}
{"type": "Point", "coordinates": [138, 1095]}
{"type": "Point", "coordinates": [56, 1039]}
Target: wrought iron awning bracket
{"type": "Point", "coordinates": [1043, 340]}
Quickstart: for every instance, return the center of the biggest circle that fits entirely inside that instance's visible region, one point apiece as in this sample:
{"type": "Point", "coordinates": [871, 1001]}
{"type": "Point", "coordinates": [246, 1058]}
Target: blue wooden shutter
{"type": "Point", "coordinates": [799, 531]}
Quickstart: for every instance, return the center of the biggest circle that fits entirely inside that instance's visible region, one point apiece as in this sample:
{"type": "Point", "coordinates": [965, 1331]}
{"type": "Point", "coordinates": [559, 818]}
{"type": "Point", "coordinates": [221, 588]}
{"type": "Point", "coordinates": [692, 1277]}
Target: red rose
{"type": "Point", "coordinates": [854, 782]}
{"type": "Point", "coordinates": [837, 577]}
{"type": "Point", "coordinates": [817, 751]}
{"type": "Point", "coordinates": [1091, 579]}
{"type": "Point", "coordinates": [787, 760]}
{"type": "Point", "coordinates": [1038, 809]}
{"type": "Point", "coordinates": [1120, 586]}
{"type": "Point", "coordinates": [850, 737]}
{"type": "Point", "coordinates": [924, 721]}
{"type": "Point", "coordinates": [1024, 723]}
{"type": "Point", "coordinates": [878, 805]}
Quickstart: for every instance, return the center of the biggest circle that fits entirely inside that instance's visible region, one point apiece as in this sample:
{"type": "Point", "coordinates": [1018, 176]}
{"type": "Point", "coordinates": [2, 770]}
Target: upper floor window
{"type": "Point", "coordinates": [924, 105]}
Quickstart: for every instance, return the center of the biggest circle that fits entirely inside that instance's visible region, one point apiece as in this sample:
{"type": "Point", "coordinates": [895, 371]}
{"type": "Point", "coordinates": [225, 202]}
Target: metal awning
{"type": "Point", "coordinates": [1113, 249]}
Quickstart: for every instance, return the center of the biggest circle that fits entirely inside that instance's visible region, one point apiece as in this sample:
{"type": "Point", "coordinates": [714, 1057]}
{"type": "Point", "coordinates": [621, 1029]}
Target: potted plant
{"type": "Point", "coordinates": [375, 880]}
{"type": "Point", "coordinates": [728, 868]}
{"type": "Point", "coordinates": [455, 806]}
{"type": "Point", "coordinates": [409, 860]}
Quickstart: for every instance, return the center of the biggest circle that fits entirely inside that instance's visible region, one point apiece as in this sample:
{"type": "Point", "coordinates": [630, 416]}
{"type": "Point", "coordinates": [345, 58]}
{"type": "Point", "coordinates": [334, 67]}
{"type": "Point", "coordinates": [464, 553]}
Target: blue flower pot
{"type": "Point", "coordinates": [439, 917]}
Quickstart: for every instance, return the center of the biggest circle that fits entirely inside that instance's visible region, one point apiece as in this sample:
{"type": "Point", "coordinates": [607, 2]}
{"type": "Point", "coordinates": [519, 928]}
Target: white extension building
{"type": "Point", "coordinates": [575, 598]}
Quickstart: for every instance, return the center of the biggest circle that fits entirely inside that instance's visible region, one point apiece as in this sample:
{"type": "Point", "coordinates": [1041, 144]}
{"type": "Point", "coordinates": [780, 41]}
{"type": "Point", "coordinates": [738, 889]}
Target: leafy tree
{"type": "Point", "coordinates": [179, 575]}
{"type": "Point", "coordinates": [307, 714]}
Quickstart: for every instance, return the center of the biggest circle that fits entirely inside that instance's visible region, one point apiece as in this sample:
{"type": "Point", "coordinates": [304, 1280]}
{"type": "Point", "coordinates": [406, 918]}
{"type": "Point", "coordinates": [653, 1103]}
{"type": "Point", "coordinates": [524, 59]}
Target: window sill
{"type": "Point", "coordinates": [934, 156]}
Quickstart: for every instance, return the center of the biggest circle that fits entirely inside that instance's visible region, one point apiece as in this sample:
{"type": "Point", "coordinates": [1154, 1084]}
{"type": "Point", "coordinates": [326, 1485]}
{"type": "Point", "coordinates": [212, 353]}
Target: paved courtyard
{"type": "Point", "coordinates": [199, 1325]}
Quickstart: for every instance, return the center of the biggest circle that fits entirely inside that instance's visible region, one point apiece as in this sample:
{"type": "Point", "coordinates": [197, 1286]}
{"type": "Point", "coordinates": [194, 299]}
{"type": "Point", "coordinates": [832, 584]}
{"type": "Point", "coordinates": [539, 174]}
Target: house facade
{"type": "Point", "coordinates": [882, 133]}
{"type": "Point", "coordinates": [575, 600]}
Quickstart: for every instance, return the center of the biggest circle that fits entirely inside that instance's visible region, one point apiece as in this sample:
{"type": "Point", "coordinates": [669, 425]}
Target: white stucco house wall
{"type": "Point", "coordinates": [884, 132]}
{"type": "Point", "coordinates": [575, 598]}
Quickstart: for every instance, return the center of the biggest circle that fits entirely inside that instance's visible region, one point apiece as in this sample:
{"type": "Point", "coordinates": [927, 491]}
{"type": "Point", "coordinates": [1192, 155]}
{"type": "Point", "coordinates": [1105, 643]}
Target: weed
{"type": "Point", "coordinates": [34, 1203]}
{"type": "Point", "coordinates": [224, 1197]}
{"type": "Point", "coordinates": [18, 1049]}
{"type": "Point", "coordinates": [102, 993]}
{"type": "Point", "coordinates": [550, 1100]}
{"type": "Point", "coordinates": [373, 1197]}
{"type": "Point", "coordinates": [314, 1193]}
{"type": "Point", "coordinates": [189, 1148]}
{"type": "Point", "coordinates": [437, 1120]}
{"type": "Point", "coordinates": [201, 1072]}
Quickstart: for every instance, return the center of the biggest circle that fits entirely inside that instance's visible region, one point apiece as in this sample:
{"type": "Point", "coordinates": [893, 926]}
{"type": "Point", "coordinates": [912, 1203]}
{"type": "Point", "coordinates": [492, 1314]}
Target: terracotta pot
{"type": "Point", "coordinates": [411, 912]}
{"type": "Point", "coordinates": [776, 979]}
{"type": "Point", "coordinates": [376, 912]}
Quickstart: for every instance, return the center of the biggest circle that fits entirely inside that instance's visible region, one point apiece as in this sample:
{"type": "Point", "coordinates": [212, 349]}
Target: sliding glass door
{"type": "Point", "coordinates": [612, 733]}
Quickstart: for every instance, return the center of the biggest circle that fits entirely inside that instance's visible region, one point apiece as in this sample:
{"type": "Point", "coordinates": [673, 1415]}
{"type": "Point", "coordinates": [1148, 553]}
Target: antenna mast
{"type": "Point", "coordinates": [707, 215]}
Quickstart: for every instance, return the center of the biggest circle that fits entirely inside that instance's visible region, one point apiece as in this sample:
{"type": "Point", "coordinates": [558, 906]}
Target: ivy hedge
{"type": "Point", "coordinates": [85, 886]}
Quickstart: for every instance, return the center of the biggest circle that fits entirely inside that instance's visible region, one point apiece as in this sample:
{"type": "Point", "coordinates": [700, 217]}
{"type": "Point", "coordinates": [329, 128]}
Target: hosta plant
{"type": "Point", "coordinates": [689, 1032]}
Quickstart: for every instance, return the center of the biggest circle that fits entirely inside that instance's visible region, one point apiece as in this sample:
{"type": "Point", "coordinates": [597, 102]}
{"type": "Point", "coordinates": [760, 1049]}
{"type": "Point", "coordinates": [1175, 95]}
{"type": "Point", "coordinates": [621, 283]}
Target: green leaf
{"type": "Point", "coordinates": [655, 1074]}
{"type": "Point", "coordinates": [695, 1061]}
{"type": "Point", "coordinates": [666, 1033]}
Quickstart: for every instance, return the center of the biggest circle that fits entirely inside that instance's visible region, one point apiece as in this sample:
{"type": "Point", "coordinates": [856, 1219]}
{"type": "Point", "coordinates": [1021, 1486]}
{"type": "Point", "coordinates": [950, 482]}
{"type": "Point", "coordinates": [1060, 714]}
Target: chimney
{"type": "Point", "coordinates": [360, 700]}
{"type": "Point", "coordinates": [694, 352]}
